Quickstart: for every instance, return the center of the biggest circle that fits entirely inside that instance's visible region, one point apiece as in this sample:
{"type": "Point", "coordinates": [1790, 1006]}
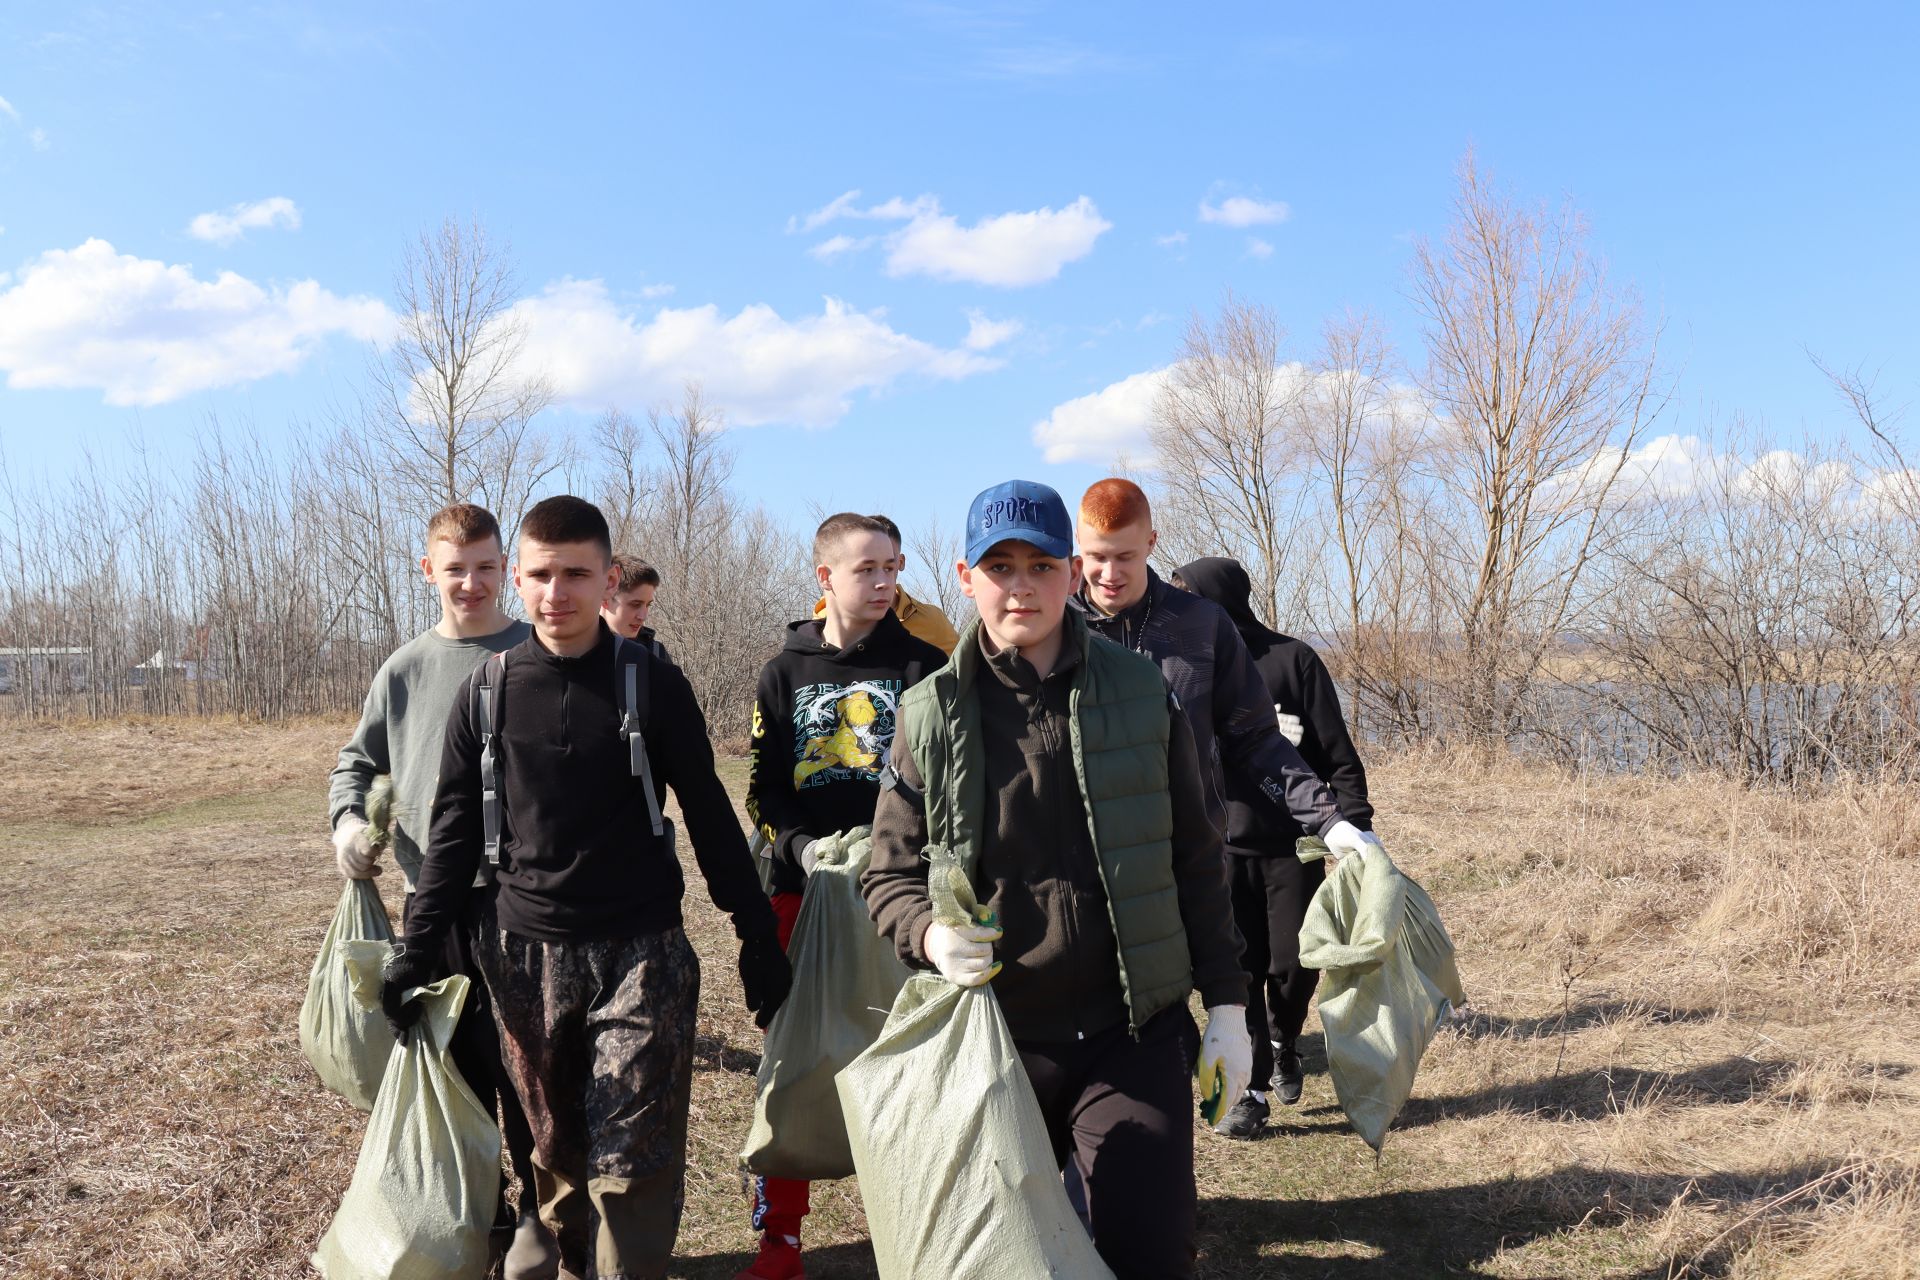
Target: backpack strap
{"type": "Point", "coordinates": [633, 667]}
{"type": "Point", "coordinates": [493, 678]}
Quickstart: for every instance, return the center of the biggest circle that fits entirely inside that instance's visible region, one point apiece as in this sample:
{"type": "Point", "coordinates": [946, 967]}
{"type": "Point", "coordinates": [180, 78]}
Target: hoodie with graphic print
{"type": "Point", "coordinates": [823, 721]}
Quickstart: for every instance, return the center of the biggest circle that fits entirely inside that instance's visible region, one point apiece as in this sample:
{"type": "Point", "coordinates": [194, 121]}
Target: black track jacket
{"type": "Point", "coordinates": [1198, 649]}
{"type": "Point", "coordinates": [578, 857]}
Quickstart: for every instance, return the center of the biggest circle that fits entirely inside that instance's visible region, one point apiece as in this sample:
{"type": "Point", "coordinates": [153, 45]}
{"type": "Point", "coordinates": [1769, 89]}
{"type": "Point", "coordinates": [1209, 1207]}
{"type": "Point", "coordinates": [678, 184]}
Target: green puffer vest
{"type": "Point", "coordinates": [1118, 711]}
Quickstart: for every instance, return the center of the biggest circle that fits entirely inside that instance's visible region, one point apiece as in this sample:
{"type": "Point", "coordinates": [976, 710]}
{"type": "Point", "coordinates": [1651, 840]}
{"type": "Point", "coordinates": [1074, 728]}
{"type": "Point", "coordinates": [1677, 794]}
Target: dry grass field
{"type": "Point", "coordinates": [1691, 1049]}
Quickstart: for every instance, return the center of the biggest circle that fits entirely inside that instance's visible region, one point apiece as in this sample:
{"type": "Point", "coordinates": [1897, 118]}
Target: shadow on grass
{"type": "Point", "coordinates": [830, 1262]}
{"type": "Point", "coordinates": [1401, 1234]}
{"type": "Point", "coordinates": [1479, 1024]}
{"type": "Point", "coordinates": [1455, 1230]}
{"type": "Point", "coordinates": [1594, 1094]}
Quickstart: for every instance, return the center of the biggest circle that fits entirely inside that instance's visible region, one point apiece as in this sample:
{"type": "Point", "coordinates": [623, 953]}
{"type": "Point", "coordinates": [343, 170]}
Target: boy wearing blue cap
{"type": "Point", "coordinates": [1057, 766]}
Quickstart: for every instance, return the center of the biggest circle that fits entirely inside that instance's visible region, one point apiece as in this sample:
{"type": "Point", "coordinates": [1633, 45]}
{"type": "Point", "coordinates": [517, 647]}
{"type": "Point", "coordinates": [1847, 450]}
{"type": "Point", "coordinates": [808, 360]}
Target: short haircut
{"type": "Point", "coordinates": [564, 519]}
{"type": "Point", "coordinates": [836, 527]}
{"type": "Point", "coordinates": [462, 524]}
{"type": "Point", "coordinates": [1114, 504]}
{"type": "Point", "coordinates": [893, 530]}
{"type": "Point", "coordinates": [635, 573]}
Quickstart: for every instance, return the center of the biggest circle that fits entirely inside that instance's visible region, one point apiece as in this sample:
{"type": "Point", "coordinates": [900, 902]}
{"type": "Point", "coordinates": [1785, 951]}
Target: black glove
{"type": "Point", "coordinates": [767, 977]}
{"type": "Point", "coordinates": [404, 971]}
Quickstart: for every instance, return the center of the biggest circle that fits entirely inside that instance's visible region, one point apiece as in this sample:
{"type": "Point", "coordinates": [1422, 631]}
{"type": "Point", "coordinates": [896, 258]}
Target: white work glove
{"type": "Point", "coordinates": [1226, 1061]}
{"type": "Point", "coordinates": [964, 953]}
{"type": "Point", "coordinates": [1292, 727]}
{"type": "Point", "coordinates": [1344, 838]}
{"type": "Point", "coordinates": [352, 851]}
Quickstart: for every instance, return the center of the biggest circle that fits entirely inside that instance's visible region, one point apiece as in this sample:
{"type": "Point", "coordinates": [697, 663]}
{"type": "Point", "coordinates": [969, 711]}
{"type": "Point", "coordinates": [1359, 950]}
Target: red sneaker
{"type": "Point", "coordinates": [779, 1260]}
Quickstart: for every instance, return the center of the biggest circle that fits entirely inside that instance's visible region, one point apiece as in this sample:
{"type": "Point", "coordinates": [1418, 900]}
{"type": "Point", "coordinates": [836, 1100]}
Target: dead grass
{"type": "Point", "coordinates": [1691, 1049]}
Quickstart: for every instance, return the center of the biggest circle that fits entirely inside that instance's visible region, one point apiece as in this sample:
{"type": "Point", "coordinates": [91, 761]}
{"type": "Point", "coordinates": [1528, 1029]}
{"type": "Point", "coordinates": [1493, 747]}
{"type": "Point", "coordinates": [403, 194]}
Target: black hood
{"type": "Point", "coordinates": [1222, 580]}
{"type": "Point", "coordinates": [809, 636]}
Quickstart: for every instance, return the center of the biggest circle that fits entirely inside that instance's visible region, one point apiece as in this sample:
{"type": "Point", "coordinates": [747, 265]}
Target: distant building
{"type": "Point", "coordinates": [49, 670]}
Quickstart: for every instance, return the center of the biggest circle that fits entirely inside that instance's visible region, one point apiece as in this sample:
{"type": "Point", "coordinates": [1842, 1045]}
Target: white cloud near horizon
{"type": "Point", "coordinates": [1241, 212]}
{"type": "Point", "coordinates": [757, 365]}
{"type": "Point", "coordinates": [145, 332]}
{"type": "Point", "coordinates": [1103, 425]}
{"type": "Point", "coordinates": [234, 223]}
{"type": "Point", "coordinates": [1008, 250]}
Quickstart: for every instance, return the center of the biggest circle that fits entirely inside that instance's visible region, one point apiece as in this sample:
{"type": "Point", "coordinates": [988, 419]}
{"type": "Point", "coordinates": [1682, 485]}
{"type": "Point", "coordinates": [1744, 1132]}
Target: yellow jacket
{"type": "Point", "coordinates": [923, 621]}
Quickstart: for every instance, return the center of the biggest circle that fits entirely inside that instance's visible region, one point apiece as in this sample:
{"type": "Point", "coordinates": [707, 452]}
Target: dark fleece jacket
{"type": "Point", "coordinates": [823, 722]}
{"type": "Point", "coordinates": [1198, 650]}
{"type": "Point", "coordinates": [1299, 684]}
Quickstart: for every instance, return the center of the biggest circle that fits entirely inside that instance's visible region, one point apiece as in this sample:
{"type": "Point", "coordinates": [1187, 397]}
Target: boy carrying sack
{"type": "Point", "coordinates": [823, 722]}
{"type": "Point", "coordinates": [400, 733]}
{"type": "Point", "coordinates": [1058, 770]}
{"type": "Point", "coordinates": [556, 752]}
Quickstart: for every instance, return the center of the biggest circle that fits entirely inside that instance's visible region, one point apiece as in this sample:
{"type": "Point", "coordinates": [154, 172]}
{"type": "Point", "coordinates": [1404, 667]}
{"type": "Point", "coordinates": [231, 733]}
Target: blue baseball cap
{"type": "Point", "coordinates": [1022, 509]}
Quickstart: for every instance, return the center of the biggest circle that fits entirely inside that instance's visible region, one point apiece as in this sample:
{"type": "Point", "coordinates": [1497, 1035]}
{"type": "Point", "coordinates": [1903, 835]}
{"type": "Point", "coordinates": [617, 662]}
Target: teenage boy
{"type": "Point", "coordinates": [1194, 642]}
{"type": "Point", "coordinates": [1271, 887]}
{"type": "Point", "coordinates": [823, 721]}
{"type": "Point", "coordinates": [923, 620]}
{"type": "Point", "coordinates": [551, 773]}
{"type": "Point", "coordinates": [400, 734]}
{"type": "Point", "coordinates": [1057, 766]}
{"type": "Point", "coordinates": [635, 585]}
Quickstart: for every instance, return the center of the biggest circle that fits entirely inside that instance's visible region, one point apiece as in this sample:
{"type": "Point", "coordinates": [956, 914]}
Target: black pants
{"type": "Point", "coordinates": [1122, 1111]}
{"type": "Point", "coordinates": [1270, 900]}
{"type": "Point", "coordinates": [476, 1044]}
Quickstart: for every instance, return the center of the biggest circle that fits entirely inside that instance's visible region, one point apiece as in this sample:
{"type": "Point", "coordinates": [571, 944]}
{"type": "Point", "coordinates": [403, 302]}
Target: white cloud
{"type": "Point", "coordinates": [1104, 425]}
{"type": "Point", "coordinates": [759, 366]}
{"type": "Point", "coordinates": [657, 291]}
{"type": "Point", "coordinates": [984, 334]}
{"type": "Point", "coordinates": [8, 110]}
{"type": "Point", "coordinates": [1171, 238]}
{"type": "Point", "coordinates": [831, 248]}
{"type": "Point", "coordinates": [1008, 250]}
{"type": "Point", "coordinates": [1258, 248]}
{"type": "Point", "coordinates": [225, 228]}
{"type": "Point", "coordinates": [1244, 211]}
{"type": "Point", "coordinates": [37, 138]}
{"type": "Point", "coordinates": [147, 332]}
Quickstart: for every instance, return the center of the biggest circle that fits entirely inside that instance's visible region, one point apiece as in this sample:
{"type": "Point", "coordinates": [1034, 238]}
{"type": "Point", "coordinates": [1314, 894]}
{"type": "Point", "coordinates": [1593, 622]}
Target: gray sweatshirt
{"type": "Point", "coordinates": [401, 730]}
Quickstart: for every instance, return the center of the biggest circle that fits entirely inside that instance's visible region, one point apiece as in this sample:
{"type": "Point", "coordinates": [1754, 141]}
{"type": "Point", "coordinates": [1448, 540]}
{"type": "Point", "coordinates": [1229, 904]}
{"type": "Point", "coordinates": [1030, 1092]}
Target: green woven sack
{"type": "Point", "coordinates": [1390, 980]}
{"type": "Point", "coordinates": [347, 1044]}
{"type": "Point", "coordinates": [845, 978]}
{"type": "Point", "coordinates": [423, 1195]}
{"type": "Point", "coordinates": [956, 1172]}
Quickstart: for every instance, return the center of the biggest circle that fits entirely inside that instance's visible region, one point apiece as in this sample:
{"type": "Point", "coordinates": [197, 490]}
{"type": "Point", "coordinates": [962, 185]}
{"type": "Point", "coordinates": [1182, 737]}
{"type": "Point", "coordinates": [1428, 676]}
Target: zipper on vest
{"type": "Point", "coordinates": [1051, 746]}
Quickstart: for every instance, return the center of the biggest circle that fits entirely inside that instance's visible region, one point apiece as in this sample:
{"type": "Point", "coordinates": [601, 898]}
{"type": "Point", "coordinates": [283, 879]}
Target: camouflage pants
{"type": "Point", "coordinates": [598, 1040]}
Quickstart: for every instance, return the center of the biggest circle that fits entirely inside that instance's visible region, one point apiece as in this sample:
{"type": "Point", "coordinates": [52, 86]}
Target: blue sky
{"type": "Point", "coordinates": [1029, 226]}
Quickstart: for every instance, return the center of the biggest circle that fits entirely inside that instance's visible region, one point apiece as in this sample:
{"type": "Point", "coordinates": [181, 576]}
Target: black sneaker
{"type": "Point", "coordinates": [1245, 1118]}
{"type": "Point", "coordinates": [1288, 1078]}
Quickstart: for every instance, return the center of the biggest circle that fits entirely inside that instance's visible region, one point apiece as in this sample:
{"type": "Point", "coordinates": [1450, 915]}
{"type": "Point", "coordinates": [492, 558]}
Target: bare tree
{"type": "Point", "coordinates": [1228, 466]}
{"type": "Point", "coordinates": [451, 384]}
{"type": "Point", "coordinates": [1542, 374]}
{"type": "Point", "coordinates": [935, 548]}
{"type": "Point", "coordinates": [627, 485]}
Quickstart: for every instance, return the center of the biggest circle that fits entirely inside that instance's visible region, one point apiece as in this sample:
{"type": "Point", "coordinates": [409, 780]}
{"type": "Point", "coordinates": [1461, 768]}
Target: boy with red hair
{"type": "Point", "coordinates": [1199, 649]}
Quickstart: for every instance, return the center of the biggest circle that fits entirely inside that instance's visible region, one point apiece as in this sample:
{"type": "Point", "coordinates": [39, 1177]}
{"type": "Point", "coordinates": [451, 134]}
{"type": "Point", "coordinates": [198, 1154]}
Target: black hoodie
{"type": "Point", "coordinates": [823, 721]}
{"type": "Point", "coordinates": [1299, 684]}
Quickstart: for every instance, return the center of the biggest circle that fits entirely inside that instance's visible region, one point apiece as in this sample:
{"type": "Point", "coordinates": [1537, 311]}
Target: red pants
{"type": "Point", "coordinates": [780, 1203]}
